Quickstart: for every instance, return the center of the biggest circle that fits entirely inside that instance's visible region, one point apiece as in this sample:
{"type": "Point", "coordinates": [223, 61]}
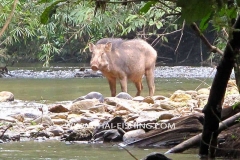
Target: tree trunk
{"type": "Point", "coordinates": [213, 108]}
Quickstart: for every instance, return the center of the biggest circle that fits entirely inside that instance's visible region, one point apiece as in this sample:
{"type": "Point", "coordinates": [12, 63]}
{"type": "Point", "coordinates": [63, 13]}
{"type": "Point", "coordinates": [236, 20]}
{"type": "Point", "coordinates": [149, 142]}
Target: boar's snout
{"type": "Point", "coordinates": [94, 67]}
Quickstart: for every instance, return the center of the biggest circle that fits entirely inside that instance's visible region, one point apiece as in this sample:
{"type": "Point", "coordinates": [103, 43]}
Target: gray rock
{"type": "Point", "coordinates": [124, 95]}
{"type": "Point", "coordinates": [56, 130]}
{"type": "Point", "coordinates": [132, 135]}
{"type": "Point", "coordinates": [91, 95]}
{"type": "Point", "coordinates": [45, 120]}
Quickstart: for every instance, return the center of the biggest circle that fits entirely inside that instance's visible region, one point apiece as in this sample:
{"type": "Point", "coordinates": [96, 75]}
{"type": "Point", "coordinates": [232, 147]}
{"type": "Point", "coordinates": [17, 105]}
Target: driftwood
{"type": "Point", "coordinates": [185, 127]}
{"type": "Point", "coordinates": [196, 139]}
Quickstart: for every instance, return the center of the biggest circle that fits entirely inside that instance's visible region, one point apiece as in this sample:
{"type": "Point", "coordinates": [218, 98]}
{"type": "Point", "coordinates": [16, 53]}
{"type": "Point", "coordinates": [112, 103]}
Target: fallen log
{"type": "Point", "coordinates": [185, 127]}
{"type": "Point", "coordinates": [196, 139]}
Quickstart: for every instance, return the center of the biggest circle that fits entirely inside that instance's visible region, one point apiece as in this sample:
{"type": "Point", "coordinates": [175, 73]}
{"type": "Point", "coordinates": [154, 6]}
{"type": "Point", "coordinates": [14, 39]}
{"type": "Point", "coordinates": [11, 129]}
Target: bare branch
{"type": "Point", "coordinates": [180, 37]}
{"type": "Point", "coordinates": [205, 41]}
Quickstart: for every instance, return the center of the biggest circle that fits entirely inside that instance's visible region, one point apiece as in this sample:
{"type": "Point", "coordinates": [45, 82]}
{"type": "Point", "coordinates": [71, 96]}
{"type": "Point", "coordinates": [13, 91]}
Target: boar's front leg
{"type": "Point", "coordinates": [112, 85]}
{"type": "Point", "coordinates": [123, 83]}
{"type": "Point", "coordinates": [149, 73]}
{"type": "Point", "coordinates": [139, 87]}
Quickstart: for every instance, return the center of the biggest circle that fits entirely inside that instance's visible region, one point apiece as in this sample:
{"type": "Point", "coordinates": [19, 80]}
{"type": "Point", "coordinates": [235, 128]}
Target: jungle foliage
{"type": "Point", "coordinates": [59, 31]}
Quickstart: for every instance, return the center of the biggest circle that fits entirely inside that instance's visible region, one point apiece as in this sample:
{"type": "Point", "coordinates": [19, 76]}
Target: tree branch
{"type": "Point", "coordinates": [9, 18]}
{"type": "Point", "coordinates": [204, 39]}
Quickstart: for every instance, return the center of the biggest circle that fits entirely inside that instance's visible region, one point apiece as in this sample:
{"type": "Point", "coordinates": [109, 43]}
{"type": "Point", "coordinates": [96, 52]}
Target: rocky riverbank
{"type": "Point", "coordinates": [71, 72]}
{"type": "Point", "coordinates": [93, 118]}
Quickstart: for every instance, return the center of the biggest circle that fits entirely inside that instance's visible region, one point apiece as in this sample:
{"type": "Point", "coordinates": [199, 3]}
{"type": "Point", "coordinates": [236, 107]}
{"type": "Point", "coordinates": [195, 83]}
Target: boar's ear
{"type": "Point", "coordinates": [91, 46]}
{"type": "Point", "coordinates": [108, 46]}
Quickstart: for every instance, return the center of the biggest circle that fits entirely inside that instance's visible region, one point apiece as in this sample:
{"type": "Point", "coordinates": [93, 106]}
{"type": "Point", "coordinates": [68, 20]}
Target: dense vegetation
{"type": "Point", "coordinates": [69, 26]}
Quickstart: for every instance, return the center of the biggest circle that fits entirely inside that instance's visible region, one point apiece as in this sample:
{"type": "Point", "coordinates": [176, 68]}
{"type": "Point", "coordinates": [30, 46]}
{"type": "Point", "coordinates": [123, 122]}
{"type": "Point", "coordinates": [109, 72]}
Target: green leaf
{"type": "Point", "coordinates": [49, 11]}
{"type": "Point", "coordinates": [235, 105]}
{"type": "Point", "coordinates": [204, 22]}
{"type": "Point", "coordinates": [195, 10]}
{"type": "Point", "coordinates": [147, 6]}
{"type": "Point", "coordinates": [159, 25]}
{"type": "Point", "coordinates": [44, 1]}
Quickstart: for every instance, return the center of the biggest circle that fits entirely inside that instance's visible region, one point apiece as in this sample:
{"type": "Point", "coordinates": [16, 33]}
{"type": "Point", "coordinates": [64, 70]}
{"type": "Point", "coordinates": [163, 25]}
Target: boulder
{"type": "Point", "coordinates": [91, 95]}
{"type": "Point", "coordinates": [83, 105]}
{"type": "Point", "coordinates": [58, 109]}
{"type": "Point", "coordinates": [124, 95]}
{"type": "Point", "coordinates": [6, 96]}
{"type": "Point", "coordinates": [132, 135]}
{"type": "Point", "coordinates": [149, 100]}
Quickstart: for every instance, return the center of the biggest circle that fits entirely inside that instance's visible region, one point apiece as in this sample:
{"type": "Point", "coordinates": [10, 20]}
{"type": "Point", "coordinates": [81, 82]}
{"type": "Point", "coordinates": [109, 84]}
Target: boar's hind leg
{"type": "Point", "coordinates": [150, 81]}
{"type": "Point", "coordinates": [139, 87]}
{"type": "Point", "coordinates": [112, 85]}
{"type": "Point", "coordinates": [123, 83]}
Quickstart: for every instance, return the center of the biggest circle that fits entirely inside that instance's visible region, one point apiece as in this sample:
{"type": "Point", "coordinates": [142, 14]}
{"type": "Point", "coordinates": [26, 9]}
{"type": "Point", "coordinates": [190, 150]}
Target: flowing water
{"type": "Point", "coordinates": [52, 90]}
{"type": "Point", "coordinates": [71, 88]}
{"type": "Point", "coordinates": [62, 151]}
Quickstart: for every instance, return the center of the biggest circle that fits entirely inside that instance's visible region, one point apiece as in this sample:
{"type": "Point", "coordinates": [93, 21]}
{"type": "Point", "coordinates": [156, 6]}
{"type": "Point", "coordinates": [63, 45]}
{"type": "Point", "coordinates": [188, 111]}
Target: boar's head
{"type": "Point", "coordinates": [100, 59]}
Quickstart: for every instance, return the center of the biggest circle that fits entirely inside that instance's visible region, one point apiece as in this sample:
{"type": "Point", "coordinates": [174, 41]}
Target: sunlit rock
{"type": "Point", "coordinates": [6, 96]}
{"type": "Point", "coordinates": [148, 99]}
{"type": "Point", "coordinates": [83, 105]}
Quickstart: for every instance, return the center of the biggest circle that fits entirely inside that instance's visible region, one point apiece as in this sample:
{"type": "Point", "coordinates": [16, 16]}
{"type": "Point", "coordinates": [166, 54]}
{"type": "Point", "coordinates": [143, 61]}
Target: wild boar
{"type": "Point", "coordinates": [123, 60]}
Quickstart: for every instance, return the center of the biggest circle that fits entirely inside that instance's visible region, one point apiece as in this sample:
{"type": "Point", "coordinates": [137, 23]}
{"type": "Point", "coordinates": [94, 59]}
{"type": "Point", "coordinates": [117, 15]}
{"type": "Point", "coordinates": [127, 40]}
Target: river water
{"type": "Point", "coordinates": [61, 151]}
{"type": "Point", "coordinates": [67, 89]}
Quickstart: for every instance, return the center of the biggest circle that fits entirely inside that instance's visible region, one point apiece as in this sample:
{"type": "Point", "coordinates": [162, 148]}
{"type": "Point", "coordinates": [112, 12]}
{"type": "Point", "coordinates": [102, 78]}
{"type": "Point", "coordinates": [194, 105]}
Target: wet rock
{"type": "Point", "coordinates": [58, 109]}
{"type": "Point", "coordinates": [6, 96]}
{"type": "Point", "coordinates": [56, 130]}
{"type": "Point", "coordinates": [124, 95]}
{"type": "Point", "coordinates": [111, 135]}
{"type": "Point", "coordinates": [41, 134]}
{"type": "Point", "coordinates": [91, 95]}
{"type": "Point", "coordinates": [82, 105]}
{"type": "Point", "coordinates": [131, 135]}
{"type": "Point", "coordinates": [78, 135]}
{"type": "Point", "coordinates": [148, 99]}
{"type": "Point", "coordinates": [114, 123]}
{"type": "Point", "coordinates": [156, 156]}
